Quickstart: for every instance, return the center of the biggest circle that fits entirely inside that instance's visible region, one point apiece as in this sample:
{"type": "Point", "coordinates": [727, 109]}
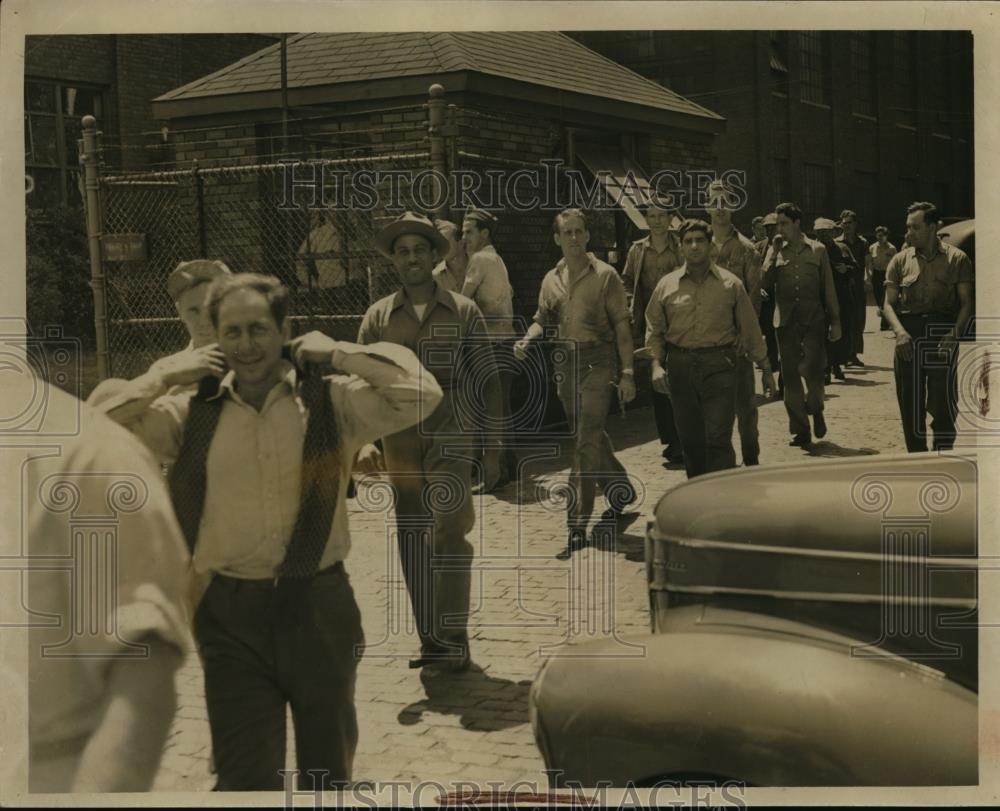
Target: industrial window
{"type": "Point", "coordinates": [779, 62]}
{"type": "Point", "coordinates": [863, 72]}
{"type": "Point", "coordinates": [779, 181]}
{"type": "Point", "coordinates": [904, 88]}
{"type": "Point", "coordinates": [816, 187]}
{"type": "Point", "coordinates": [865, 200]}
{"type": "Point", "coordinates": [52, 115]}
{"type": "Point", "coordinates": [814, 63]}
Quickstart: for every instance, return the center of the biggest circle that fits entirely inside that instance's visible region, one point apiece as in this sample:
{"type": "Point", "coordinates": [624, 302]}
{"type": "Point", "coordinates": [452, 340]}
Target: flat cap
{"type": "Point", "coordinates": [824, 224]}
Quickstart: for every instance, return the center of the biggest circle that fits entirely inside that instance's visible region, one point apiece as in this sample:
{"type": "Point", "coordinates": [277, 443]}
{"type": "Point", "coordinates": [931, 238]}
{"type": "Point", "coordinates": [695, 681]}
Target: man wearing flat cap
{"type": "Point", "coordinates": [649, 260]}
{"type": "Point", "coordinates": [428, 463]}
{"type": "Point", "coordinates": [487, 283]}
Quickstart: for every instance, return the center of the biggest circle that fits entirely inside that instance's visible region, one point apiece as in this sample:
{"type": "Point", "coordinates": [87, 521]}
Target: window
{"type": "Point", "coordinates": [52, 115]}
{"type": "Point", "coordinates": [779, 62]}
{"type": "Point", "coordinates": [816, 189]}
{"type": "Point", "coordinates": [942, 197]}
{"type": "Point", "coordinates": [907, 191]}
{"type": "Point", "coordinates": [865, 200]}
{"type": "Point", "coordinates": [814, 59]}
{"type": "Point", "coordinates": [863, 72]}
{"type": "Point", "coordinates": [779, 181]}
{"type": "Point", "coordinates": [904, 88]}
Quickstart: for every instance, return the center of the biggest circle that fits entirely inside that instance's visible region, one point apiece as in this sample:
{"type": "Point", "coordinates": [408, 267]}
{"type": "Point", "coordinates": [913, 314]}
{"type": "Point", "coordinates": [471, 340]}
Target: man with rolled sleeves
{"type": "Point", "coordinates": [585, 298]}
{"type": "Point", "coordinates": [880, 251]}
{"type": "Point", "coordinates": [929, 299]}
{"type": "Point", "coordinates": [649, 260]}
{"type": "Point", "coordinates": [734, 252]}
{"type": "Point", "coordinates": [798, 276]}
{"type": "Point", "coordinates": [698, 324]}
{"type": "Point", "coordinates": [447, 332]}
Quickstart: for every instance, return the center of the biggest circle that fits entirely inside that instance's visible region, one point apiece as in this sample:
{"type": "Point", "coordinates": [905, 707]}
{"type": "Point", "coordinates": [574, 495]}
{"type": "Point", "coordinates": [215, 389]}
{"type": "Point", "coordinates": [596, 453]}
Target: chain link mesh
{"type": "Point", "coordinates": [239, 215]}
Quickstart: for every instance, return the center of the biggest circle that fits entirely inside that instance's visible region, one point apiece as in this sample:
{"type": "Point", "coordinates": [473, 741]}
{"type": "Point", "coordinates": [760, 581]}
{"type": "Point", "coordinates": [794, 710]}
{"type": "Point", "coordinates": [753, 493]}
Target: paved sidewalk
{"type": "Point", "coordinates": [474, 726]}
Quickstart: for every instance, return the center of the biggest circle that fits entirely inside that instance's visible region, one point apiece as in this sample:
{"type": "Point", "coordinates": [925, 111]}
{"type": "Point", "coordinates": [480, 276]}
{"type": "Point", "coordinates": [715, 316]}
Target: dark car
{"type": "Point", "coordinates": [813, 624]}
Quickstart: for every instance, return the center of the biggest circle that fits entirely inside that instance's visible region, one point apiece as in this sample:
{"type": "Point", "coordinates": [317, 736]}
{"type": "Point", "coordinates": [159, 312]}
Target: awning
{"type": "Point", "coordinates": [623, 180]}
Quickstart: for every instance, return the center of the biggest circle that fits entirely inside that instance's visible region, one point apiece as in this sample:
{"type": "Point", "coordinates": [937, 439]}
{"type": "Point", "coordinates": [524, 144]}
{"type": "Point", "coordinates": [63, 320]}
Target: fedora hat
{"type": "Point", "coordinates": [188, 274]}
{"type": "Point", "coordinates": [824, 224]}
{"type": "Point", "coordinates": [410, 222]}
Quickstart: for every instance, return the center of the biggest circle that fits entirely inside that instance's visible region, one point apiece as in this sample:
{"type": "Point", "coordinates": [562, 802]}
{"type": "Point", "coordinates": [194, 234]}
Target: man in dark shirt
{"type": "Point", "coordinates": [837, 352]}
{"type": "Point", "coordinates": [797, 274]}
{"type": "Point", "coordinates": [447, 331]}
{"type": "Point", "coordinates": [929, 288]}
{"type": "Point", "coordinates": [859, 266]}
{"type": "Point", "coordinates": [585, 298]}
{"type": "Point", "coordinates": [699, 324]}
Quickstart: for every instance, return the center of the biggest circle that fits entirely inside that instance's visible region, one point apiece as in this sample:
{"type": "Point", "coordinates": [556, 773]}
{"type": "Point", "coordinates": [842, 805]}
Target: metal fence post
{"type": "Point", "coordinates": [435, 132]}
{"type": "Point", "coordinates": [92, 184]}
{"type": "Point", "coordinates": [199, 193]}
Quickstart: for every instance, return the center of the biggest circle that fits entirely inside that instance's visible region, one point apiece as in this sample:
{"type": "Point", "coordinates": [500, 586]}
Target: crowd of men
{"type": "Point", "coordinates": [260, 433]}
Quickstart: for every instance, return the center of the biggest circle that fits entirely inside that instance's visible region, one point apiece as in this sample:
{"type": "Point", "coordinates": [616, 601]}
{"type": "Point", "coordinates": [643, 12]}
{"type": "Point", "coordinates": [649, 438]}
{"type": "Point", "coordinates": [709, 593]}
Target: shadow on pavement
{"type": "Point", "coordinates": [482, 702]}
{"type": "Point", "coordinates": [833, 450]}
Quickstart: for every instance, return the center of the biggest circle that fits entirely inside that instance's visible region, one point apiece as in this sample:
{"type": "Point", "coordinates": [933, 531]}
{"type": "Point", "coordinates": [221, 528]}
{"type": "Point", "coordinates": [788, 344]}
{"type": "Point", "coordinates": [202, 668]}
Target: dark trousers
{"type": "Point", "coordinates": [766, 322]}
{"type": "Point", "coordinates": [585, 391]}
{"type": "Point", "coordinates": [746, 411]}
{"type": "Point", "coordinates": [842, 350]}
{"type": "Point", "coordinates": [663, 414]}
{"type": "Point", "coordinates": [927, 385]}
{"type": "Point", "coordinates": [878, 290]}
{"type": "Point", "coordinates": [703, 388]}
{"type": "Point", "coordinates": [431, 476]}
{"type": "Point", "coordinates": [262, 653]}
{"type": "Point", "coordinates": [803, 358]}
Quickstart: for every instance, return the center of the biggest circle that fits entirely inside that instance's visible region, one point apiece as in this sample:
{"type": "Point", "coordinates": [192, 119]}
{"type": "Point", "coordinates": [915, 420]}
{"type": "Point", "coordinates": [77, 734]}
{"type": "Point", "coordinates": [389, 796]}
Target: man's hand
{"type": "Point", "coordinates": [835, 332]}
{"type": "Point", "coordinates": [626, 388]}
{"type": "Point", "coordinates": [660, 381]}
{"type": "Point", "coordinates": [313, 347]}
{"type": "Point", "coordinates": [764, 294]}
{"type": "Point", "coordinates": [521, 349]}
{"type": "Point", "coordinates": [904, 347]}
{"type": "Point", "coordinates": [369, 461]}
{"type": "Point", "coordinates": [191, 365]}
{"type": "Point", "coordinates": [841, 268]}
{"type": "Point", "coordinates": [767, 384]}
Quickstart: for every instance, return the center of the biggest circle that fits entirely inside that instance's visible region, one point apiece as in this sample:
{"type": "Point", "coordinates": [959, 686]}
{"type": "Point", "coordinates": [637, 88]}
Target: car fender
{"type": "Point", "coordinates": [765, 708]}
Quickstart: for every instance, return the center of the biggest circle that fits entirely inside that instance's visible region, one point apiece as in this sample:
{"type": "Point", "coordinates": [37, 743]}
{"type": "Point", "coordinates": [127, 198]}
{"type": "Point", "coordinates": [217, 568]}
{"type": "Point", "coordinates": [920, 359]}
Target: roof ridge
{"type": "Point", "coordinates": [639, 76]}
{"type": "Point", "coordinates": [239, 63]}
{"type": "Point", "coordinates": [456, 43]}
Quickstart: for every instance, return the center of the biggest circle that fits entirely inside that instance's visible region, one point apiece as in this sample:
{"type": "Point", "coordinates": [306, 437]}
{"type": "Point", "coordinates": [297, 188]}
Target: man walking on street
{"type": "Point", "coordinates": [734, 252]}
{"type": "Point", "coordinates": [649, 260]}
{"type": "Point", "coordinates": [699, 324]}
{"type": "Point", "coordinates": [929, 299]}
{"type": "Point", "coordinates": [261, 462]}
{"type": "Point", "coordinates": [487, 283]}
{"type": "Point", "coordinates": [798, 276]}
{"type": "Point", "coordinates": [838, 352]}
{"type": "Point", "coordinates": [859, 273]}
{"type": "Point", "coordinates": [447, 332]}
{"type": "Point", "coordinates": [584, 297]}
{"type": "Point", "coordinates": [881, 251]}
{"type": "Point", "coordinates": [766, 321]}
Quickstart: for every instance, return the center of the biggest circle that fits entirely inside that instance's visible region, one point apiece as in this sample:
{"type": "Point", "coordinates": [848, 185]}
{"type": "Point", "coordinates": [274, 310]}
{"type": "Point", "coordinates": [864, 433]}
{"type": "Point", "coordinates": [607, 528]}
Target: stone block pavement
{"type": "Point", "coordinates": [526, 604]}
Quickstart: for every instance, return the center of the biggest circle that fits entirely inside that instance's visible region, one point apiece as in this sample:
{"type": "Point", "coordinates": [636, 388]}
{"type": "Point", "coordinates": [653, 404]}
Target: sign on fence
{"type": "Point", "coordinates": [124, 247]}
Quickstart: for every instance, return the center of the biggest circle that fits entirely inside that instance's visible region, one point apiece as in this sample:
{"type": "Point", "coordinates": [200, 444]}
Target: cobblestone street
{"type": "Point", "coordinates": [526, 604]}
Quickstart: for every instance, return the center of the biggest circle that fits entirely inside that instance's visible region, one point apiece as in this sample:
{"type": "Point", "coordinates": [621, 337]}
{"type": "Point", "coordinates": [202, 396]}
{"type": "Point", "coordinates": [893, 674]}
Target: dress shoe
{"type": "Point", "coordinates": [448, 657]}
{"type": "Point", "coordinates": [826, 378]}
{"type": "Point", "coordinates": [800, 441]}
{"type": "Point", "coordinates": [753, 461]}
{"type": "Point", "coordinates": [673, 454]}
{"type": "Point", "coordinates": [838, 373]}
{"type": "Point", "coordinates": [577, 541]}
{"type": "Point", "coordinates": [819, 425]}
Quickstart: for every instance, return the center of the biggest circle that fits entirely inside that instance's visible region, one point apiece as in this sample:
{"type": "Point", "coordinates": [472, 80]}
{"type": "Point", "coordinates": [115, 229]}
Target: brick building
{"type": "Point", "coordinates": [513, 99]}
{"type": "Point", "coordinates": [114, 77]}
{"type": "Point", "coordinates": [869, 120]}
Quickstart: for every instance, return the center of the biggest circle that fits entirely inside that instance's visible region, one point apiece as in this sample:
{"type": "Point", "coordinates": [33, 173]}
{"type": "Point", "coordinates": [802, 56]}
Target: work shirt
{"type": "Point", "coordinates": [929, 284]}
{"type": "Point", "coordinates": [800, 281]}
{"type": "Point", "coordinates": [96, 505]}
{"type": "Point", "coordinates": [488, 285]}
{"type": "Point", "coordinates": [738, 255]}
{"type": "Point", "coordinates": [253, 469]}
{"type": "Point", "coordinates": [586, 310]}
{"type": "Point", "coordinates": [690, 314]}
{"type": "Point", "coordinates": [448, 278]}
{"type": "Point", "coordinates": [644, 267]}
{"type": "Point", "coordinates": [880, 256]}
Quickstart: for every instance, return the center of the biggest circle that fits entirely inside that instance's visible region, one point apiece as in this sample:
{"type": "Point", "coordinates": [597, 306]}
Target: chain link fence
{"type": "Point", "coordinates": [246, 217]}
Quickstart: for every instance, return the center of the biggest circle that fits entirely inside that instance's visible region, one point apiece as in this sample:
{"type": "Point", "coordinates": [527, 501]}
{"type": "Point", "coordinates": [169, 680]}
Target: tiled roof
{"type": "Point", "coordinates": [546, 58]}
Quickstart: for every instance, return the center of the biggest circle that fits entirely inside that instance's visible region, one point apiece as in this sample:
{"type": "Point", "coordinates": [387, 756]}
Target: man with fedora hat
{"type": "Point", "coordinates": [649, 260]}
{"type": "Point", "coordinates": [448, 333]}
{"type": "Point", "coordinates": [261, 459]}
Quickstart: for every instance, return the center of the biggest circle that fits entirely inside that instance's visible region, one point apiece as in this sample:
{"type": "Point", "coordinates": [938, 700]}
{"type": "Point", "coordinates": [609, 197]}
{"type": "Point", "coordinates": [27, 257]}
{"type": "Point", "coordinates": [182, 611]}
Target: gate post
{"type": "Point", "coordinates": [438, 155]}
{"type": "Point", "coordinates": [91, 174]}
